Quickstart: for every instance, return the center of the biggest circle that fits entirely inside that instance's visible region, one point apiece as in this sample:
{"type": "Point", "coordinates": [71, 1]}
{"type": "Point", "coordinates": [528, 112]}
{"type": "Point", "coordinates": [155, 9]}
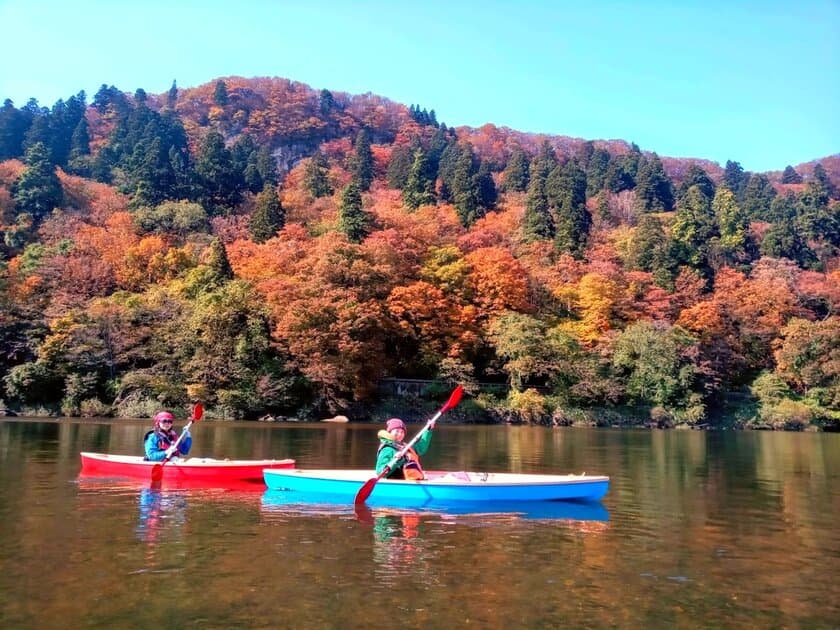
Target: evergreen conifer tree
{"type": "Point", "coordinates": [172, 95]}
{"type": "Point", "coordinates": [218, 262]}
{"type": "Point", "coordinates": [316, 176]}
{"type": "Point", "coordinates": [399, 166]}
{"type": "Point", "coordinates": [790, 176]}
{"type": "Point", "coordinates": [758, 196]}
{"type": "Point", "coordinates": [573, 218]}
{"type": "Point", "coordinates": [537, 223]}
{"type": "Point", "coordinates": [596, 171]}
{"type": "Point", "coordinates": [654, 190]}
{"type": "Point", "coordinates": [693, 228]}
{"type": "Point", "coordinates": [516, 172]}
{"type": "Point", "coordinates": [419, 188]}
{"type": "Point", "coordinates": [353, 220]}
{"type": "Point", "coordinates": [221, 185]}
{"type": "Point", "coordinates": [464, 189]}
{"type": "Point", "coordinates": [696, 176]}
{"type": "Point", "coordinates": [735, 179]}
{"type": "Point", "coordinates": [14, 124]}
{"type": "Point", "coordinates": [268, 217]}
{"type": "Point", "coordinates": [220, 93]}
{"type": "Point", "coordinates": [362, 162]}
{"type": "Point", "coordinates": [38, 190]}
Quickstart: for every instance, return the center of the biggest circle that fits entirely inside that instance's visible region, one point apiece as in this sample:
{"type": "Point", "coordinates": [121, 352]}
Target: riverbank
{"type": "Point", "coordinates": [737, 413]}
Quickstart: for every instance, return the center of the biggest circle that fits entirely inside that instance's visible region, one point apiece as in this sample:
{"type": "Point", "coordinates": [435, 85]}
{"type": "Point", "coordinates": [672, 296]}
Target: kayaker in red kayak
{"type": "Point", "coordinates": [391, 440]}
{"type": "Point", "coordinates": [158, 443]}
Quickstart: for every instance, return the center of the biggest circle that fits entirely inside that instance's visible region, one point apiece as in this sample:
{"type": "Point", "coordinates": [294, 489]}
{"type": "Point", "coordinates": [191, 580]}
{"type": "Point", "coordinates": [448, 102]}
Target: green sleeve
{"type": "Point", "coordinates": [422, 445]}
{"type": "Point", "coordinates": [384, 456]}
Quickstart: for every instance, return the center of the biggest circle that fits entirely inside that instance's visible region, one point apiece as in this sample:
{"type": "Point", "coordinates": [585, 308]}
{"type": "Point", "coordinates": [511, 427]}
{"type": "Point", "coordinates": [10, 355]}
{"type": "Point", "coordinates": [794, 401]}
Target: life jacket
{"type": "Point", "coordinates": [411, 469]}
{"type": "Point", "coordinates": [165, 440]}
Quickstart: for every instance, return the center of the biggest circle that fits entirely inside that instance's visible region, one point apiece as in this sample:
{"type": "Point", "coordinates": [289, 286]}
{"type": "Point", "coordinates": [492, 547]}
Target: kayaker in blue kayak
{"type": "Point", "coordinates": [158, 443]}
{"type": "Point", "coordinates": [392, 440]}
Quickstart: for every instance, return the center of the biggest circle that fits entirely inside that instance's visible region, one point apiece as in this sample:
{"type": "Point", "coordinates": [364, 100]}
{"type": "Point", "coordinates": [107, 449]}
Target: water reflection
{"type": "Point", "coordinates": [282, 501]}
{"type": "Point", "coordinates": [159, 508]}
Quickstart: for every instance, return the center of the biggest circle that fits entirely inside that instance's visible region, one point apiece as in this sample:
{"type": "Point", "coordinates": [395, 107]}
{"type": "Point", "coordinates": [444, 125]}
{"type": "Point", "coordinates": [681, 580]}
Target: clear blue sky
{"type": "Point", "coordinates": [756, 82]}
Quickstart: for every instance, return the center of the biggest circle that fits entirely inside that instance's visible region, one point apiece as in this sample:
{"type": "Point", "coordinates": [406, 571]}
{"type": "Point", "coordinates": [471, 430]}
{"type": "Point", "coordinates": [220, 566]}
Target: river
{"type": "Point", "coordinates": [699, 529]}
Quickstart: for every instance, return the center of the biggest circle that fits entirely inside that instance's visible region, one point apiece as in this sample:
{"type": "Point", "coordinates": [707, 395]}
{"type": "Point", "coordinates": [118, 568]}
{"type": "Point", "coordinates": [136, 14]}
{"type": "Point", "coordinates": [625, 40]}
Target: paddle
{"type": "Point", "coordinates": [367, 488]}
{"type": "Point", "coordinates": [197, 413]}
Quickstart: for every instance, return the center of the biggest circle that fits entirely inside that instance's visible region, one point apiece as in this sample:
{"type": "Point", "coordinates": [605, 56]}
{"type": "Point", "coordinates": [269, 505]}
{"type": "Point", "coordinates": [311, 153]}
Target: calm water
{"type": "Point", "coordinates": [698, 530]}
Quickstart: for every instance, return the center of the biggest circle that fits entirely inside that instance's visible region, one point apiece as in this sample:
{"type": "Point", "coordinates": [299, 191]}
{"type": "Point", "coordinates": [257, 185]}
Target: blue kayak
{"type": "Point", "coordinates": [442, 487]}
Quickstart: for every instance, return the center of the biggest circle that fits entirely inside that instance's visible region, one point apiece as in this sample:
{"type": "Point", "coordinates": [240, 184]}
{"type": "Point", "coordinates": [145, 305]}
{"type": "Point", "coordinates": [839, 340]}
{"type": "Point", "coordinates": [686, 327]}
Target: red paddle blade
{"type": "Point", "coordinates": [364, 492]}
{"type": "Point", "coordinates": [363, 514]}
{"type": "Point", "coordinates": [454, 398]}
{"type": "Point", "coordinates": [197, 411]}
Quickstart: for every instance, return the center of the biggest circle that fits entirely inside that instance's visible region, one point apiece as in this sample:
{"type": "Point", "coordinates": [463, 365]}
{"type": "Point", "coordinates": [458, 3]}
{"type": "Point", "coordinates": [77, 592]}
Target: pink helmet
{"type": "Point", "coordinates": [160, 416]}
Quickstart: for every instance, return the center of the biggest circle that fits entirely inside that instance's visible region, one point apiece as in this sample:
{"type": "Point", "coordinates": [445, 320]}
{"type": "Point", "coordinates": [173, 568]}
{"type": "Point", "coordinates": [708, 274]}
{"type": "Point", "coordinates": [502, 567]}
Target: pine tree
{"type": "Point", "coordinates": [316, 176]}
{"type": "Point", "coordinates": [693, 228]}
{"type": "Point", "coordinates": [621, 171]}
{"type": "Point", "coordinates": [399, 166]}
{"type": "Point", "coordinates": [353, 220]}
{"type": "Point", "coordinates": [654, 190]}
{"type": "Point", "coordinates": [220, 183]}
{"type": "Point", "coordinates": [447, 165]}
{"type": "Point", "coordinates": [758, 196]}
{"type": "Point", "coordinates": [821, 178]}
{"type": "Point", "coordinates": [79, 161]}
{"type": "Point", "coordinates": [790, 176]}
{"type": "Point", "coordinates": [696, 176]}
{"type": "Point", "coordinates": [172, 95]}
{"type": "Point", "coordinates": [596, 171]}
{"type": "Point", "coordinates": [14, 124]}
{"type": "Point", "coordinates": [362, 161]}
{"type": "Point", "coordinates": [537, 223]}
{"type": "Point", "coordinates": [516, 172]}
{"type": "Point", "coordinates": [544, 162]}
{"type": "Point", "coordinates": [220, 93]}
{"type": "Point", "coordinates": [218, 262]}
{"type": "Point", "coordinates": [464, 189]}
{"type": "Point", "coordinates": [326, 102]}
{"type": "Point", "coordinates": [38, 190]}
{"type": "Point", "coordinates": [735, 245]}
{"type": "Point", "coordinates": [573, 218]}
{"type": "Point", "coordinates": [419, 188]}
{"type": "Point", "coordinates": [735, 179]}
{"type": "Point", "coordinates": [268, 217]}
{"type": "Point", "coordinates": [648, 249]}
{"type": "Point", "coordinates": [485, 186]}
{"type": "Point", "coordinates": [784, 240]}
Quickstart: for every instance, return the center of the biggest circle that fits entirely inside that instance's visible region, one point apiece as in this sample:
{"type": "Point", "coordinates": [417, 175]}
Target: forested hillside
{"type": "Point", "coordinates": [275, 249]}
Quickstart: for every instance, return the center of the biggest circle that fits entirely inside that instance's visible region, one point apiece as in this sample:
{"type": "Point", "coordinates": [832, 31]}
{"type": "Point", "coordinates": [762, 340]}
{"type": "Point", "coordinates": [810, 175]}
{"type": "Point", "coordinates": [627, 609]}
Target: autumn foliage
{"type": "Point", "coordinates": [145, 277]}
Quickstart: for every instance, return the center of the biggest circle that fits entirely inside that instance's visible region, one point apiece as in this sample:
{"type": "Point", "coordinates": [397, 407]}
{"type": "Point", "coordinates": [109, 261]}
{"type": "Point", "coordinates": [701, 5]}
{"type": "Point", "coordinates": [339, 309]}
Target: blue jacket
{"type": "Point", "coordinates": [156, 443]}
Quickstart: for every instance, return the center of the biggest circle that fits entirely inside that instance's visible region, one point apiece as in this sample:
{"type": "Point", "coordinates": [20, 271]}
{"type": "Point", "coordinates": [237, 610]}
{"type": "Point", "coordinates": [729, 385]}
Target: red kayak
{"type": "Point", "coordinates": [187, 470]}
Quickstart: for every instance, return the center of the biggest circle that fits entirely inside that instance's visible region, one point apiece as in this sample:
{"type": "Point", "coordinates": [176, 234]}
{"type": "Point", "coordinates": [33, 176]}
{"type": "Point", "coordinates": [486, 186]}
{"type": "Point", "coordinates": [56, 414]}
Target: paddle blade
{"type": "Point", "coordinates": [454, 399]}
{"type": "Point", "coordinates": [363, 514]}
{"type": "Point", "coordinates": [197, 411]}
{"type": "Point", "coordinates": [364, 492]}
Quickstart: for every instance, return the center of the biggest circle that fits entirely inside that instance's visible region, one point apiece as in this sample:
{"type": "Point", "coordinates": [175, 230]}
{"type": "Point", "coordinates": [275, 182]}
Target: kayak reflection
{"type": "Point", "coordinates": [314, 504]}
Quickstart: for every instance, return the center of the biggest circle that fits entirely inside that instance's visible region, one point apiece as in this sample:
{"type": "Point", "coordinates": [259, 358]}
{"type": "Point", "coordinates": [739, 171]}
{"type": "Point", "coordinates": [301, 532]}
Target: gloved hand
{"type": "Point", "coordinates": [171, 451]}
{"type": "Point", "coordinates": [432, 424]}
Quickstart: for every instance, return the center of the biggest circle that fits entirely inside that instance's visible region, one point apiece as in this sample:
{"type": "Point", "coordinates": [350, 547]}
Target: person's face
{"type": "Point", "coordinates": [166, 424]}
{"type": "Point", "coordinates": [398, 434]}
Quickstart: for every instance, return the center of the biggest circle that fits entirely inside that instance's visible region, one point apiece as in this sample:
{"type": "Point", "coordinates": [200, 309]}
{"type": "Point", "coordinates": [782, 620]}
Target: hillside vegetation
{"type": "Point", "coordinates": [274, 249]}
